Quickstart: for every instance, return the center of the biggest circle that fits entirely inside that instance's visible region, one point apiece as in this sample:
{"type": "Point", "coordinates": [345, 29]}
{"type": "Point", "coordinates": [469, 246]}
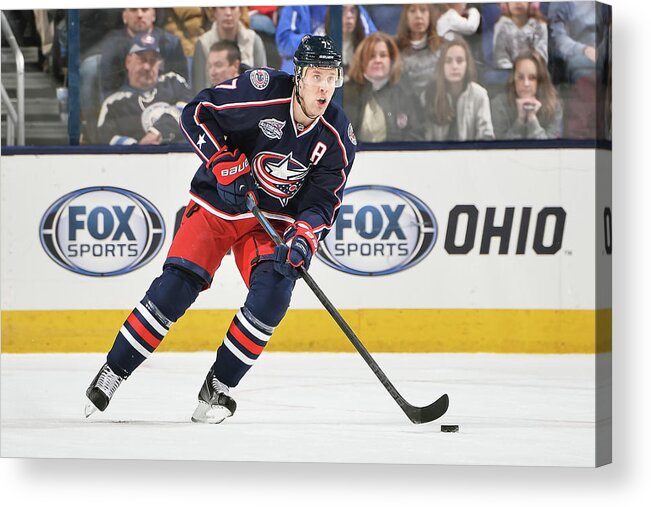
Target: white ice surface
{"type": "Point", "coordinates": [512, 410]}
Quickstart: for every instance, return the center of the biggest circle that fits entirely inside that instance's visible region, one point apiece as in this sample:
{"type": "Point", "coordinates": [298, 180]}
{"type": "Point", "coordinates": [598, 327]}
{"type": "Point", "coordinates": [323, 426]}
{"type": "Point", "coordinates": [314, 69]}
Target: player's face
{"type": "Point", "coordinates": [139, 20]}
{"type": "Point", "coordinates": [455, 64]}
{"type": "Point", "coordinates": [526, 79]}
{"type": "Point", "coordinates": [317, 89]}
{"type": "Point", "coordinates": [417, 20]}
{"type": "Point", "coordinates": [219, 69]}
{"type": "Point", "coordinates": [379, 66]}
{"type": "Point", "coordinates": [348, 18]}
{"type": "Point", "coordinates": [227, 17]}
{"type": "Point", "coordinates": [142, 69]}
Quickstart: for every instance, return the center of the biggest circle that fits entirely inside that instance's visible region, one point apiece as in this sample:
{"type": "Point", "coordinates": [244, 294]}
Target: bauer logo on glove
{"type": "Point", "coordinates": [235, 171]}
{"type": "Point", "coordinates": [228, 165]}
{"type": "Point", "coordinates": [234, 179]}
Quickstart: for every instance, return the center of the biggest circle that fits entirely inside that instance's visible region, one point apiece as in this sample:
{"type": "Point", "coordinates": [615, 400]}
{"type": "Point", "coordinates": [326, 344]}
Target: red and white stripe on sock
{"type": "Point", "coordinates": [143, 331]}
{"type": "Point", "coordinates": [246, 339]}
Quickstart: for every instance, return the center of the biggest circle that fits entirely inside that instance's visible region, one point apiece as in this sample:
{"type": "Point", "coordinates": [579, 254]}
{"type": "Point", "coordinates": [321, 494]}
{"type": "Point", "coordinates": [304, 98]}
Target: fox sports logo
{"type": "Point", "coordinates": [380, 230]}
{"type": "Point", "coordinates": [102, 231]}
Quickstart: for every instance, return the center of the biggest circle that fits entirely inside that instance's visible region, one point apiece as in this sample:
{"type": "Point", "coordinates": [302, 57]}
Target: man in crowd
{"type": "Point", "coordinates": [224, 61]}
{"type": "Point", "coordinates": [147, 108]}
{"type": "Point", "coordinates": [116, 44]}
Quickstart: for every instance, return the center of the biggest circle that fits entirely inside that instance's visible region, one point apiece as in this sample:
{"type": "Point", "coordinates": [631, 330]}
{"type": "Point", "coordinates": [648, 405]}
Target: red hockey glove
{"type": "Point", "coordinates": [300, 245]}
{"type": "Point", "coordinates": [234, 179]}
{"type": "Point", "coordinates": [228, 165]}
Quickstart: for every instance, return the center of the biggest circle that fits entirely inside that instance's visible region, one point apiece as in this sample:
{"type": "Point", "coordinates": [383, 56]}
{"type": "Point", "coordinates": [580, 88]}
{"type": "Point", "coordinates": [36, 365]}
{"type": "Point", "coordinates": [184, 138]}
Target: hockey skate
{"type": "Point", "coordinates": [101, 389]}
{"type": "Point", "coordinates": [215, 403]}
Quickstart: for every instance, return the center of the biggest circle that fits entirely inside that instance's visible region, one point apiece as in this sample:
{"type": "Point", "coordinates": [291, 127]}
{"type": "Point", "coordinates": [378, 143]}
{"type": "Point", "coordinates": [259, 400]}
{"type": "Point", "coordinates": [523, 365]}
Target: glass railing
{"type": "Point", "coordinates": [413, 73]}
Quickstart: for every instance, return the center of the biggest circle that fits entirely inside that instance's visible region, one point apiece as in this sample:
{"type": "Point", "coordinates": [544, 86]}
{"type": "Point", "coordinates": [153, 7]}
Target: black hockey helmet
{"type": "Point", "coordinates": [317, 51]}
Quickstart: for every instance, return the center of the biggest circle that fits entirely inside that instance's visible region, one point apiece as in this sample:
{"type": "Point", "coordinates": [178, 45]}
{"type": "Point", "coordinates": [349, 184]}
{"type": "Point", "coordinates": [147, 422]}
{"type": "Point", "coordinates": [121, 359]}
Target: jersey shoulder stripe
{"type": "Point", "coordinates": [114, 97]}
{"type": "Point", "coordinates": [338, 138]}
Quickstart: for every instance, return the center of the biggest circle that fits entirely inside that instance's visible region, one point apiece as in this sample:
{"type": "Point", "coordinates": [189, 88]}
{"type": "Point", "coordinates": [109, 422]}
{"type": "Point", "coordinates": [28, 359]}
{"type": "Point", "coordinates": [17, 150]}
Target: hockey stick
{"type": "Point", "coordinates": [417, 415]}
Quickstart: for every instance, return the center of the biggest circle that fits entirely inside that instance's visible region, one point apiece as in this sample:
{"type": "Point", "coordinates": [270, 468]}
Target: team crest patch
{"type": "Point", "coordinates": [259, 79]}
{"type": "Point", "coordinates": [278, 175]}
{"type": "Point", "coordinates": [272, 128]}
{"type": "Point", "coordinates": [351, 134]}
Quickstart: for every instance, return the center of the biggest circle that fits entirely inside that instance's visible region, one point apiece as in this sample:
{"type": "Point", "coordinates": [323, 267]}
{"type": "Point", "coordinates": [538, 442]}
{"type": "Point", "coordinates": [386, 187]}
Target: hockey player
{"type": "Point", "coordinates": [280, 137]}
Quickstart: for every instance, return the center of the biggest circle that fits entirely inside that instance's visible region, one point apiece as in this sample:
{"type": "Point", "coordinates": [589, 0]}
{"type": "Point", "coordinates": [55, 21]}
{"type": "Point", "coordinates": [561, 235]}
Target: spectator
{"type": "Point", "coordinates": [44, 21]}
{"type": "Point", "coordinates": [385, 17]}
{"type": "Point", "coordinates": [378, 106]}
{"type": "Point", "coordinates": [187, 24]}
{"type": "Point", "coordinates": [573, 33]}
{"type": "Point", "coordinates": [100, 34]}
{"type": "Point", "coordinates": [228, 25]}
{"type": "Point", "coordinates": [521, 28]}
{"type": "Point", "coordinates": [458, 21]}
{"type": "Point", "coordinates": [147, 108]}
{"type": "Point", "coordinates": [530, 107]}
{"type": "Point", "coordinates": [116, 44]}
{"type": "Point", "coordinates": [352, 33]}
{"type": "Point", "coordinates": [458, 107]}
{"type": "Point", "coordinates": [224, 60]}
{"type": "Point", "coordinates": [295, 21]}
{"type": "Point", "coordinates": [263, 19]}
{"type": "Point", "coordinates": [573, 36]}
{"type": "Point", "coordinates": [419, 46]}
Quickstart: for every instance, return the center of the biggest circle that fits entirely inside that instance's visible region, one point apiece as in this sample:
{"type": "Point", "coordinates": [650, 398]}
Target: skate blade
{"type": "Point", "coordinates": [90, 409]}
{"type": "Point", "coordinates": [208, 414]}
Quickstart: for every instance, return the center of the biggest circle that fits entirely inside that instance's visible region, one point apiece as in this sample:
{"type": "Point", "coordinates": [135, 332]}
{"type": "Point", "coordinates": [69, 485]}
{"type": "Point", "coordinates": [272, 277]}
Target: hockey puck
{"type": "Point", "coordinates": [450, 428]}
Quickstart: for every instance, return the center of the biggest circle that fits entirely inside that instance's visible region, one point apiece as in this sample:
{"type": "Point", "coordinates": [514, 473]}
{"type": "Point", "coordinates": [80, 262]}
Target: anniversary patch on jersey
{"type": "Point", "coordinates": [272, 128]}
{"type": "Point", "coordinates": [351, 134]}
{"type": "Point", "coordinates": [259, 79]}
{"type": "Point", "coordinates": [279, 175]}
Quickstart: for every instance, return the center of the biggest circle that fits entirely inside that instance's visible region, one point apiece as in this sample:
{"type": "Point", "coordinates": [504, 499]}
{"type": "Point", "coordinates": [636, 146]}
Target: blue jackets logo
{"type": "Point", "coordinates": [380, 230]}
{"type": "Point", "coordinates": [102, 231]}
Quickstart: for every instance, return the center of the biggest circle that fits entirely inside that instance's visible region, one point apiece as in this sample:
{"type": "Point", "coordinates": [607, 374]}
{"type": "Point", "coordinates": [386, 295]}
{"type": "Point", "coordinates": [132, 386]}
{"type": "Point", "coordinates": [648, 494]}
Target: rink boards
{"type": "Point", "coordinates": [450, 251]}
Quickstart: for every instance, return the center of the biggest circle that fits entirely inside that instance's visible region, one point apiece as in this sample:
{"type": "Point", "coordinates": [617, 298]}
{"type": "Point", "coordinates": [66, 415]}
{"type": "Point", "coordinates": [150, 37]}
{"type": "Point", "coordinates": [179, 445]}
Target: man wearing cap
{"type": "Point", "coordinates": [116, 44]}
{"type": "Point", "coordinates": [146, 109]}
{"type": "Point", "coordinates": [277, 138]}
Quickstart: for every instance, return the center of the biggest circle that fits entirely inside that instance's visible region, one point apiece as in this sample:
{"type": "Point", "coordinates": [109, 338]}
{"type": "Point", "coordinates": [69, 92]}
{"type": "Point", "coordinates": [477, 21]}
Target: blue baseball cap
{"type": "Point", "coordinates": [144, 42]}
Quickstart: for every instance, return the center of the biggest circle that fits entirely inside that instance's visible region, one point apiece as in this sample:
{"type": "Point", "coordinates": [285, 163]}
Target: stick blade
{"type": "Point", "coordinates": [421, 415]}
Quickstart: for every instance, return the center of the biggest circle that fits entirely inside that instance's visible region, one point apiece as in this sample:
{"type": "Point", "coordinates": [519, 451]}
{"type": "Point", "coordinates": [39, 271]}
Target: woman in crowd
{"type": "Point", "coordinates": [521, 28]}
{"type": "Point", "coordinates": [352, 32]}
{"type": "Point", "coordinates": [458, 108]}
{"type": "Point", "coordinates": [530, 107]}
{"type": "Point", "coordinates": [378, 106]}
{"type": "Point", "coordinates": [230, 24]}
{"type": "Point", "coordinates": [419, 46]}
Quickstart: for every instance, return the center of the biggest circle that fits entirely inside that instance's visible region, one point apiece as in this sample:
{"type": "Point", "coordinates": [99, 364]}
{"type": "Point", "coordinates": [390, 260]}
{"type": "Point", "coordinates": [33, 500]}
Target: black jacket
{"type": "Point", "coordinates": [402, 112]}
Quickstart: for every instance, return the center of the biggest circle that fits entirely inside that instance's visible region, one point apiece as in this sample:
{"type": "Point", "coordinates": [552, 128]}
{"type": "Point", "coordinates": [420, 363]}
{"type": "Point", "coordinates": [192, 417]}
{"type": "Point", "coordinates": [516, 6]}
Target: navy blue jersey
{"type": "Point", "coordinates": [128, 114]}
{"type": "Point", "coordinates": [300, 173]}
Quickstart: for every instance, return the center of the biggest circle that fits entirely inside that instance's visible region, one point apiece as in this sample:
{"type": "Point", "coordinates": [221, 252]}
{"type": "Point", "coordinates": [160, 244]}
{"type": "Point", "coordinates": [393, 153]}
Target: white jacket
{"type": "Point", "coordinates": [452, 23]}
{"type": "Point", "coordinates": [474, 121]}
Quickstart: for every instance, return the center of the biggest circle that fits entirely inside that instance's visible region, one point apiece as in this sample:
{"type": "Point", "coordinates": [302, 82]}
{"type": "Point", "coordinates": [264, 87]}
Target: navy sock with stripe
{"type": "Point", "coordinates": [139, 336]}
{"type": "Point", "coordinates": [244, 342]}
{"type": "Point", "coordinates": [167, 299]}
